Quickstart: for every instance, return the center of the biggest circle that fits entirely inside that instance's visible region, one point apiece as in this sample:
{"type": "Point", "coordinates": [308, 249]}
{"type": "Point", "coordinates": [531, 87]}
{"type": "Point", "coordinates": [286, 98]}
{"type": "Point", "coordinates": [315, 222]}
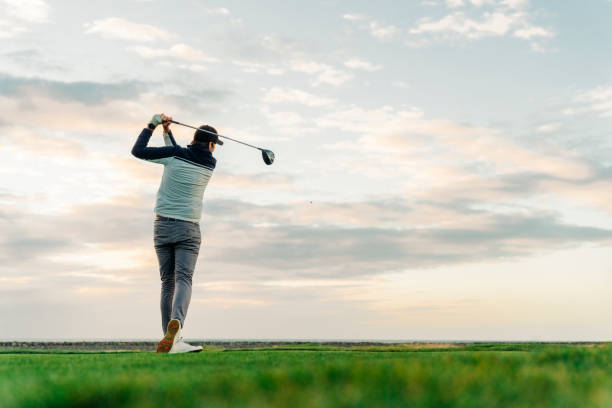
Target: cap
{"type": "Point", "coordinates": [207, 134]}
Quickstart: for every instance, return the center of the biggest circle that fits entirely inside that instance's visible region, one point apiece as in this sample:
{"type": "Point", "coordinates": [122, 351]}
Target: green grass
{"type": "Point", "coordinates": [484, 375]}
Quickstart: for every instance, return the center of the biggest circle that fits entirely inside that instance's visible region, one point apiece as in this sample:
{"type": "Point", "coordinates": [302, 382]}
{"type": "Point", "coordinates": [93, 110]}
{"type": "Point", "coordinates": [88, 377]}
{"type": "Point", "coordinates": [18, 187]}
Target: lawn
{"type": "Point", "coordinates": [487, 375]}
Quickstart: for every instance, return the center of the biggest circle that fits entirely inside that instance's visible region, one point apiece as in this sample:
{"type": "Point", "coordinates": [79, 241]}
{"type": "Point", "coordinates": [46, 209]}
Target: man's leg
{"type": "Point", "coordinates": [185, 257]}
{"type": "Point", "coordinates": [165, 255]}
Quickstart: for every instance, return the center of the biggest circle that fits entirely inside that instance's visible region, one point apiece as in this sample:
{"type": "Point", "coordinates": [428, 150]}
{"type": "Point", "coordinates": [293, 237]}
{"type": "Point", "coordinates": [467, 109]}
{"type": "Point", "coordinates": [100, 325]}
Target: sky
{"type": "Point", "coordinates": [442, 167]}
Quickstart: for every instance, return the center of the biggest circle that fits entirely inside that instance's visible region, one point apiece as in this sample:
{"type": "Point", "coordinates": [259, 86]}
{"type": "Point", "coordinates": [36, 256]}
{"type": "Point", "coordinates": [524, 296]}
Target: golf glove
{"type": "Point", "coordinates": [155, 120]}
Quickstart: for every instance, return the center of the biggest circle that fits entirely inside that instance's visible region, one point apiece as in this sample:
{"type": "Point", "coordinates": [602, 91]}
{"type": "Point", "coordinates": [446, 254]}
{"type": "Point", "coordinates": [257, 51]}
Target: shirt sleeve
{"type": "Point", "coordinates": [169, 139]}
{"type": "Point", "coordinates": [160, 155]}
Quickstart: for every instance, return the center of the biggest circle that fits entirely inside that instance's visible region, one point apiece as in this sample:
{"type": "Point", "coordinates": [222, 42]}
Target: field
{"type": "Point", "coordinates": [479, 375]}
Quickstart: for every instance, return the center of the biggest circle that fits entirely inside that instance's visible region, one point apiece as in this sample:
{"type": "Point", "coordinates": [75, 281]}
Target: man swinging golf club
{"type": "Point", "coordinates": [177, 234]}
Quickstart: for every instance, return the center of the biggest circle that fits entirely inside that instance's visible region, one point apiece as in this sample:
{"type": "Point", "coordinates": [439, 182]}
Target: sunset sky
{"type": "Point", "coordinates": [443, 168]}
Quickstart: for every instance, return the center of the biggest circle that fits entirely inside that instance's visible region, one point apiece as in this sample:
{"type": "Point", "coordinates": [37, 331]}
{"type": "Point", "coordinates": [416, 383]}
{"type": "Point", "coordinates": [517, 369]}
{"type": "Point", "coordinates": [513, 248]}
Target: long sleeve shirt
{"type": "Point", "coordinates": [187, 171]}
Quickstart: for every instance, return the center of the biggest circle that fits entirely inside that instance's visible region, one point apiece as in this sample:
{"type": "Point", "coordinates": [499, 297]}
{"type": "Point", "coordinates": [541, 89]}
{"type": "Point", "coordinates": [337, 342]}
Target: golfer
{"type": "Point", "coordinates": [177, 235]}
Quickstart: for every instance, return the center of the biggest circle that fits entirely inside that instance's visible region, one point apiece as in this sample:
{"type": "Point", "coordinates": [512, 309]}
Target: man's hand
{"type": "Point", "coordinates": [157, 120]}
{"type": "Point", "coordinates": [166, 122]}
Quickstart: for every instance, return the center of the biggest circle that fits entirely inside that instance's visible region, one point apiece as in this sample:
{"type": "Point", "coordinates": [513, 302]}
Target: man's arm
{"type": "Point", "coordinates": [168, 138]}
{"type": "Point", "coordinates": [141, 149]}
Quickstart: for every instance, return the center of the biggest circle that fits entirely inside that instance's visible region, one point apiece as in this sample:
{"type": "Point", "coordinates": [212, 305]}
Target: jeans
{"type": "Point", "coordinates": [177, 244]}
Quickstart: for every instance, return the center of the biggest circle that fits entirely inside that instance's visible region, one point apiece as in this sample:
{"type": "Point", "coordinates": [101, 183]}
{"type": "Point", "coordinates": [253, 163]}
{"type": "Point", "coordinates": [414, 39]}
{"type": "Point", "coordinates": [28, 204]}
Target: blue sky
{"type": "Point", "coordinates": [442, 167]}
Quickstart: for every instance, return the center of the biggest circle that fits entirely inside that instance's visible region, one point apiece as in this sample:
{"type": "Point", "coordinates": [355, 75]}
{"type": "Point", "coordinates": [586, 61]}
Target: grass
{"type": "Point", "coordinates": [483, 375]}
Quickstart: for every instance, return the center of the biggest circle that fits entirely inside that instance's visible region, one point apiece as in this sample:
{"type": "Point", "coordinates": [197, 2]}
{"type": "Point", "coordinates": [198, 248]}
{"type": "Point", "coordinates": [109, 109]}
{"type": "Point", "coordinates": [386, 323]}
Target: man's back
{"type": "Point", "coordinates": [187, 171]}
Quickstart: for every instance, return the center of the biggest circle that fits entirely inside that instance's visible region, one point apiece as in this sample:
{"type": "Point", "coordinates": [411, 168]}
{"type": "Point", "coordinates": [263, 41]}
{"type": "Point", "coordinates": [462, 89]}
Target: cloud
{"type": "Point", "coordinates": [515, 4]}
{"type": "Point", "coordinates": [119, 28]}
{"type": "Point", "coordinates": [597, 100]}
{"type": "Point", "coordinates": [218, 11]}
{"type": "Point", "coordinates": [31, 11]}
{"type": "Point", "coordinates": [356, 63]}
{"type": "Point", "coordinates": [180, 51]}
{"type": "Point", "coordinates": [325, 74]}
{"type": "Point", "coordinates": [19, 14]}
{"type": "Point", "coordinates": [458, 24]}
{"type": "Point", "coordinates": [283, 119]}
{"type": "Point", "coordinates": [354, 17]}
{"type": "Point", "coordinates": [497, 20]}
{"type": "Point", "coordinates": [282, 95]}
{"type": "Point", "coordinates": [252, 181]}
{"type": "Point", "coordinates": [548, 127]}
{"type": "Point", "coordinates": [529, 32]}
{"type": "Point", "coordinates": [383, 31]}
{"type": "Point", "coordinates": [454, 3]}
{"type": "Point", "coordinates": [463, 162]}
{"type": "Point", "coordinates": [87, 92]}
{"type": "Point", "coordinates": [10, 29]}
{"type": "Point", "coordinates": [401, 84]}
{"type": "Point", "coordinates": [291, 246]}
{"type": "Point", "coordinates": [41, 142]}
{"type": "Point", "coordinates": [291, 240]}
{"type": "Point", "coordinates": [480, 3]}
{"type": "Point", "coordinates": [377, 29]}
{"type": "Point", "coordinates": [87, 106]}
{"type": "Point", "coordinates": [257, 67]}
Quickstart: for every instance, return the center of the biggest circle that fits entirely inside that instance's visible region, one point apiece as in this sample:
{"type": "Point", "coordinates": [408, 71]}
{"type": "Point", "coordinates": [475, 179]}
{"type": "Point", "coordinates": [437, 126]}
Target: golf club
{"type": "Point", "coordinates": [267, 155]}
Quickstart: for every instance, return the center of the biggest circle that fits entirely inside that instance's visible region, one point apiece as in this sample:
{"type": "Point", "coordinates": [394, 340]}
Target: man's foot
{"type": "Point", "coordinates": [181, 347]}
{"type": "Point", "coordinates": [173, 331]}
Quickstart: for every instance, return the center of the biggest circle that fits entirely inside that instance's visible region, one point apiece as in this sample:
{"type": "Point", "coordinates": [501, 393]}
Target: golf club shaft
{"type": "Point", "coordinates": [213, 133]}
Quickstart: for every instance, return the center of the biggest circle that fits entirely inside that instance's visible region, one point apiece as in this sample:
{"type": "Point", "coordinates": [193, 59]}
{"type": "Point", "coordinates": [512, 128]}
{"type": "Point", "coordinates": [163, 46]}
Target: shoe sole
{"type": "Point", "coordinates": [165, 345]}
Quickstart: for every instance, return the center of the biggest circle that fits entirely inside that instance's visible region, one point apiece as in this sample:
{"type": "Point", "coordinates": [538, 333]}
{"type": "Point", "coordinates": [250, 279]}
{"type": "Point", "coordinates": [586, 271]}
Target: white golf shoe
{"type": "Point", "coordinates": [181, 347]}
{"type": "Point", "coordinates": [173, 340]}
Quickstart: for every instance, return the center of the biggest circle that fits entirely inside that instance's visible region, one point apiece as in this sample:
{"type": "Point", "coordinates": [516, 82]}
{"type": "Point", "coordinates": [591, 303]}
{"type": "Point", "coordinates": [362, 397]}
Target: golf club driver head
{"type": "Point", "coordinates": [268, 156]}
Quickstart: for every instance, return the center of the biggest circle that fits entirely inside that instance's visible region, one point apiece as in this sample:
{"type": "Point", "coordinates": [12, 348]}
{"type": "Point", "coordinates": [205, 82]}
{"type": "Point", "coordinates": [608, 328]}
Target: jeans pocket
{"type": "Point", "coordinates": [160, 232]}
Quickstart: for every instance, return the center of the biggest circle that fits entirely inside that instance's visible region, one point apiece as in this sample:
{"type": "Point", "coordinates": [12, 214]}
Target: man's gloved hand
{"type": "Point", "coordinates": [155, 121]}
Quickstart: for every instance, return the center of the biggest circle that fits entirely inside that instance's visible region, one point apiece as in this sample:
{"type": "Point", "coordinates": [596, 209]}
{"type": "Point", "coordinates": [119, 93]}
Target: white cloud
{"type": "Point", "coordinates": [514, 4]}
{"type": "Point", "coordinates": [500, 19]}
{"type": "Point", "coordinates": [19, 13]}
{"type": "Point", "coordinates": [548, 127]}
{"type": "Point", "coordinates": [598, 100]}
{"type": "Point", "coordinates": [377, 29]}
{"type": "Point", "coordinates": [354, 17]}
{"type": "Point", "coordinates": [325, 74]}
{"type": "Point", "coordinates": [284, 120]}
{"type": "Point", "coordinates": [355, 63]}
{"type": "Point", "coordinates": [401, 84]}
{"type": "Point", "coordinates": [282, 95]}
{"type": "Point", "coordinates": [454, 3]}
{"type": "Point", "coordinates": [118, 28]}
{"type": "Point", "coordinates": [10, 29]}
{"type": "Point", "coordinates": [219, 11]}
{"type": "Point", "coordinates": [382, 31]}
{"type": "Point", "coordinates": [181, 51]}
{"type": "Point", "coordinates": [529, 32]}
{"type": "Point", "coordinates": [32, 11]}
{"type": "Point", "coordinates": [480, 3]}
{"type": "Point", "coordinates": [406, 133]}
{"type": "Point", "coordinates": [257, 67]}
{"type": "Point", "coordinates": [458, 24]}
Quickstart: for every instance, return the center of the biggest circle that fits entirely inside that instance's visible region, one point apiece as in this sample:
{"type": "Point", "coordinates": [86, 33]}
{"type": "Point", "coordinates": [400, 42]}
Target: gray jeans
{"type": "Point", "coordinates": [177, 244]}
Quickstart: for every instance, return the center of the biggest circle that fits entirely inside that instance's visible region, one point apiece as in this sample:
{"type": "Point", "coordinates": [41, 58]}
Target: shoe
{"type": "Point", "coordinates": [173, 331]}
{"type": "Point", "coordinates": [181, 347]}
